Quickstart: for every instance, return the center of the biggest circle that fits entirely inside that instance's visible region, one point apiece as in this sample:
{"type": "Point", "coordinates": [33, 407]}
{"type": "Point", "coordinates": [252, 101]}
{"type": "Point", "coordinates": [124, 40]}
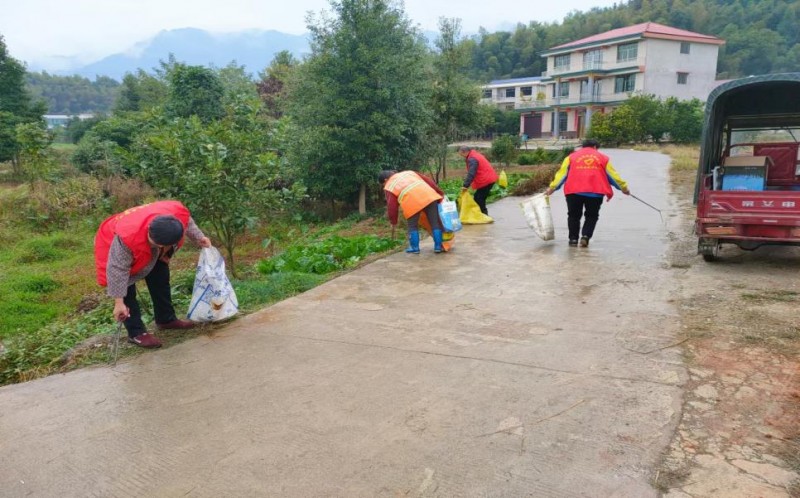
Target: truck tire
{"type": "Point", "coordinates": [709, 249]}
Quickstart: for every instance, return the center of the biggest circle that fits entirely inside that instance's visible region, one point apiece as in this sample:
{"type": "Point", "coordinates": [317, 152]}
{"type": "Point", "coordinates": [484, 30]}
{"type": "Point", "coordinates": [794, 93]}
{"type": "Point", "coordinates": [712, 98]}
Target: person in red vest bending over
{"type": "Point", "coordinates": [414, 194]}
{"type": "Point", "coordinates": [138, 244]}
{"type": "Point", "coordinates": [587, 176]}
{"type": "Point", "coordinates": [480, 175]}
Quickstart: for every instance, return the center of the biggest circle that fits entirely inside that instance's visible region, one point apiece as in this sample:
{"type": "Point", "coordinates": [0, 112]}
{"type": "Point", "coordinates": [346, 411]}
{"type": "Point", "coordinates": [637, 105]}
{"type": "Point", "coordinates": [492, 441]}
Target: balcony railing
{"type": "Point", "coordinates": [593, 66]}
{"type": "Point", "coordinates": [582, 99]}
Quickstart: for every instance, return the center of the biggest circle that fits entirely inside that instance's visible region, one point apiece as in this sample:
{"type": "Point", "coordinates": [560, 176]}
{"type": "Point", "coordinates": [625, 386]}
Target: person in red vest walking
{"type": "Point", "coordinates": [480, 175]}
{"type": "Point", "coordinates": [414, 194]}
{"type": "Point", "coordinates": [587, 176]}
{"type": "Point", "coordinates": [138, 244]}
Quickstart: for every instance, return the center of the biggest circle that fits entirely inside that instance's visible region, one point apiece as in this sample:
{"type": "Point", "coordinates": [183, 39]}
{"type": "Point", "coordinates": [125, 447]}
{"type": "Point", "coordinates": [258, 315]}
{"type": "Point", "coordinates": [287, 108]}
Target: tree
{"type": "Point", "coordinates": [76, 128]}
{"type": "Point", "coordinates": [359, 103]}
{"type": "Point", "coordinates": [237, 83]}
{"type": "Point", "coordinates": [35, 161]}
{"type": "Point", "coordinates": [16, 106]}
{"type": "Point", "coordinates": [648, 114]}
{"type": "Point", "coordinates": [223, 170]}
{"type": "Point", "coordinates": [686, 119]}
{"type": "Point", "coordinates": [455, 99]}
{"type": "Point", "coordinates": [195, 91]}
{"type": "Point", "coordinates": [272, 87]}
{"type": "Point", "coordinates": [73, 94]}
{"type": "Point", "coordinates": [141, 91]}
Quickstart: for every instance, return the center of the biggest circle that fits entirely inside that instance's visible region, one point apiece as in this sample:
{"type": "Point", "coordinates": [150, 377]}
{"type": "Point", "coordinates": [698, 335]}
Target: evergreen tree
{"type": "Point", "coordinates": [359, 103]}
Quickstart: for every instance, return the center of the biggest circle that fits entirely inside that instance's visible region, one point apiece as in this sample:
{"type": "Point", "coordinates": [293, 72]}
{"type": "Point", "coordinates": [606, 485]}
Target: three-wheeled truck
{"type": "Point", "coordinates": [748, 181]}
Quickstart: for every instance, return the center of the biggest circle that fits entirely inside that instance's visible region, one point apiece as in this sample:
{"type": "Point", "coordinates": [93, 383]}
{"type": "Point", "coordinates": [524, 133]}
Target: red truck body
{"type": "Point", "coordinates": [762, 110]}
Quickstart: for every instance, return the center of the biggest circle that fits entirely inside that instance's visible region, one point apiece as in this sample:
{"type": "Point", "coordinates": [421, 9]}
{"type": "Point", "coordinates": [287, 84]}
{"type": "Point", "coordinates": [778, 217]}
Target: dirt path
{"type": "Point", "coordinates": [739, 434]}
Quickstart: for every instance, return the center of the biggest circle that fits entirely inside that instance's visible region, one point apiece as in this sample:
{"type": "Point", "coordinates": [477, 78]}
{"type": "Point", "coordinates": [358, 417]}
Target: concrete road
{"type": "Point", "coordinates": [509, 367]}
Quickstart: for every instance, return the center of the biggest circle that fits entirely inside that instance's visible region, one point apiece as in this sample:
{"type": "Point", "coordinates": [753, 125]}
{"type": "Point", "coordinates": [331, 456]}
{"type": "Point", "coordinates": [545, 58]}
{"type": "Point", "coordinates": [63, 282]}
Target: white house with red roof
{"type": "Point", "coordinates": [597, 73]}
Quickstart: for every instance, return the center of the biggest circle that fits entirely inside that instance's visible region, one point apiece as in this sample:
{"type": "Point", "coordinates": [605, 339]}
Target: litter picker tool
{"type": "Point", "coordinates": [116, 342]}
{"type": "Point", "coordinates": [650, 206]}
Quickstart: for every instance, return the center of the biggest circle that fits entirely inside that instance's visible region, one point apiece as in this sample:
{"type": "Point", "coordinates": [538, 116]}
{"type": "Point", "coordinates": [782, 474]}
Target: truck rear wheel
{"type": "Point", "coordinates": [709, 249]}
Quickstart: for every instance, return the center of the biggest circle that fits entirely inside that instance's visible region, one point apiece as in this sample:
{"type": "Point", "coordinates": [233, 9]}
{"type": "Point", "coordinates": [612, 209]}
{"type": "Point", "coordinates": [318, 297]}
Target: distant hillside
{"type": "Point", "coordinates": [252, 49]}
{"type": "Point", "coordinates": [762, 36]}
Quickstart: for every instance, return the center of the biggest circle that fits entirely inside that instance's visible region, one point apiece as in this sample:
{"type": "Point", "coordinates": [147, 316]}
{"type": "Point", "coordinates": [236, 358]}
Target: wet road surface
{"type": "Point", "coordinates": [509, 367]}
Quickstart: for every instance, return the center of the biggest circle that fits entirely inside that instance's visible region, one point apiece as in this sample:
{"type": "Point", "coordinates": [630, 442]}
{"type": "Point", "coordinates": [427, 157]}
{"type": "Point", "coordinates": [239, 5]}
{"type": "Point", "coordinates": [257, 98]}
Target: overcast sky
{"type": "Point", "coordinates": [40, 30]}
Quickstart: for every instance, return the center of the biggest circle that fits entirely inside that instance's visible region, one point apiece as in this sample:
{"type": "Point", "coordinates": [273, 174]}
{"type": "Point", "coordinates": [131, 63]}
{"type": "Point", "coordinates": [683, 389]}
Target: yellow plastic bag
{"type": "Point", "coordinates": [503, 180]}
{"type": "Point", "coordinates": [469, 211]}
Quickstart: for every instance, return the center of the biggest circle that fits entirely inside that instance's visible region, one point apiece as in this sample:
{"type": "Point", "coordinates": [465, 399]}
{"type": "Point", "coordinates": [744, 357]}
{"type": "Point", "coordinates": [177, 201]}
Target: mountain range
{"type": "Point", "coordinates": [253, 49]}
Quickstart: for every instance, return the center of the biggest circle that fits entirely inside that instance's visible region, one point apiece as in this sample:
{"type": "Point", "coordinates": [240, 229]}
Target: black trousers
{"type": "Point", "coordinates": [480, 197]}
{"type": "Point", "coordinates": [581, 205]}
{"type": "Point", "coordinates": [432, 212]}
{"type": "Point", "coordinates": [158, 285]}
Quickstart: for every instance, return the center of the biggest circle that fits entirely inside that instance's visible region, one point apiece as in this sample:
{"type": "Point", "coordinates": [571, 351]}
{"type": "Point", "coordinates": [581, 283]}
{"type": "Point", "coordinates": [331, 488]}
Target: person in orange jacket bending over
{"type": "Point", "coordinates": [414, 194]}
{"type": "Point", "coordinates": [587, 176]}
{"type": "Point", "coordinates": [480, 175]}
{"type": "Point", "coordinates": [138, 244]}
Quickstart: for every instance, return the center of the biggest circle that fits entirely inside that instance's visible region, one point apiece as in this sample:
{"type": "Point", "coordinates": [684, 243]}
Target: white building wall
{"type": "Point", "coordinates": [664, 61]}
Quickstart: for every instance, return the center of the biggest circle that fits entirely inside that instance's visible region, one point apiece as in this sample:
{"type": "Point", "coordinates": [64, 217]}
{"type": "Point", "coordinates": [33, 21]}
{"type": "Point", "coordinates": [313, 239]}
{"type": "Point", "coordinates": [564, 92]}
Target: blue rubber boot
{"type": "Point", "coordinates": [437, 241]}
{"type": "Point", "coordinates": [413, 242]}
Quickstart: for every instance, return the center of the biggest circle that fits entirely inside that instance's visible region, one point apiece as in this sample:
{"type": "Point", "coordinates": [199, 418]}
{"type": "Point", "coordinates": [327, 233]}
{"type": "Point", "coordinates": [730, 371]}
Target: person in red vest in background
{"type": "Point", "coordinates": [414, 194]}
{"type": "Point", "coordinates": [480, 175]}
{"type": "Point", "coordinates": [138, 244]}
{"type": "Point", "coordinates": [587, 176]}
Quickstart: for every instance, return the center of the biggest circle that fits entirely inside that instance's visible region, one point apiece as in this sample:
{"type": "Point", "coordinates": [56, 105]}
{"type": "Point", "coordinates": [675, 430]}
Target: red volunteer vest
{"type": "Point", "coordinates": [587, 173]}
{"type": "Point", "coordinates": [131, 227]}
{"type": "Point", "coordinates": [485, 174]}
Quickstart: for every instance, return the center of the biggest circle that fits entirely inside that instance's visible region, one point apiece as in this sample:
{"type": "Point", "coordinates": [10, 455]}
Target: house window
{"type": "Point", "coordinates": [487, 93]}
{"type": "Point", "coordinates": [562, 61]}
{"type": "Point", "coordinates": [627, 52]}
{"type": "Point", "coordinates": [685, 47]}
{"type": "Point", "coordinates": [511, 92]}
{"type": "Point", "coordinates": [526, 91]}
{"type": "Point", "coordinates": [563, 90]}
{"type": "Point", "coordinates": [593, 59]}
{"type": "Point", "coordinates": [625, 84]}
{"type": "Point", "coordinates": [683, 78]}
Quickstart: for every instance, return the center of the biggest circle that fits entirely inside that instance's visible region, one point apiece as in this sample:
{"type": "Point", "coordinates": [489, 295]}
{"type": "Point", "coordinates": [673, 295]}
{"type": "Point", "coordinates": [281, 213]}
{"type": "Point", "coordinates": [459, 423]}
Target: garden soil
{"type": "Point", "coordinates": [509, 367]}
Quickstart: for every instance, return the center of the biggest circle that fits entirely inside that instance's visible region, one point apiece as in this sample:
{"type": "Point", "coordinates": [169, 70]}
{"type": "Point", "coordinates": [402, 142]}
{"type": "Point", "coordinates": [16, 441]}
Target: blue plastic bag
{"type": "Point", "coordinates": [448, 213]}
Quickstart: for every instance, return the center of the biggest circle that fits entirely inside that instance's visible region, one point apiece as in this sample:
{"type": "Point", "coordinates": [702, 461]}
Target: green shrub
{"type": "Point", "coordinates": [504, 148]}
{"type": "Point", "coordinates": [544, 156]}
{"type": "Point", "coordinates": [35, 283]}
{"type": "Point", "coordinates": [332, 254]}
{"type": "Point", "coordinates": [40, 251]}
{"type": "Point", "coordinates": [525, 159]}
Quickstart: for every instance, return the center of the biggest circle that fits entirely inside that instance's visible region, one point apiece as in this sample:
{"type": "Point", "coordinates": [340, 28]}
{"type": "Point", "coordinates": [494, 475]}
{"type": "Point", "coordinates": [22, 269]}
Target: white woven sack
{"type": "Point", "coordinates": [538, 215]}
{"type": "Point", "coordinates": [213, 298]}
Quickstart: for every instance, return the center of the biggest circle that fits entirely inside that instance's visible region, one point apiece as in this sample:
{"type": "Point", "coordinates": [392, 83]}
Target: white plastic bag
{"type": "Point", "coordinates": [448, 213]}
{"type": "Point", "coordinates": [213, 298]}
{"type": "Point", "coordinates": [539, 217]}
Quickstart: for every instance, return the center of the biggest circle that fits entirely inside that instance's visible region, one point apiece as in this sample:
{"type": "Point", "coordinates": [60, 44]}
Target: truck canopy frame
{"type": "Point", "coordinates": [769, 101]}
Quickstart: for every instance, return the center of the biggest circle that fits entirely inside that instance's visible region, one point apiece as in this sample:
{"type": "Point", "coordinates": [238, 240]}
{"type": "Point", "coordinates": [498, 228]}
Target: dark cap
{"type": "Point", "coordinates": [590, 143]}
{"type": "Point", "coordinates": [165, 230]}
{"type": "Point", "coordinates": [385, 175]}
